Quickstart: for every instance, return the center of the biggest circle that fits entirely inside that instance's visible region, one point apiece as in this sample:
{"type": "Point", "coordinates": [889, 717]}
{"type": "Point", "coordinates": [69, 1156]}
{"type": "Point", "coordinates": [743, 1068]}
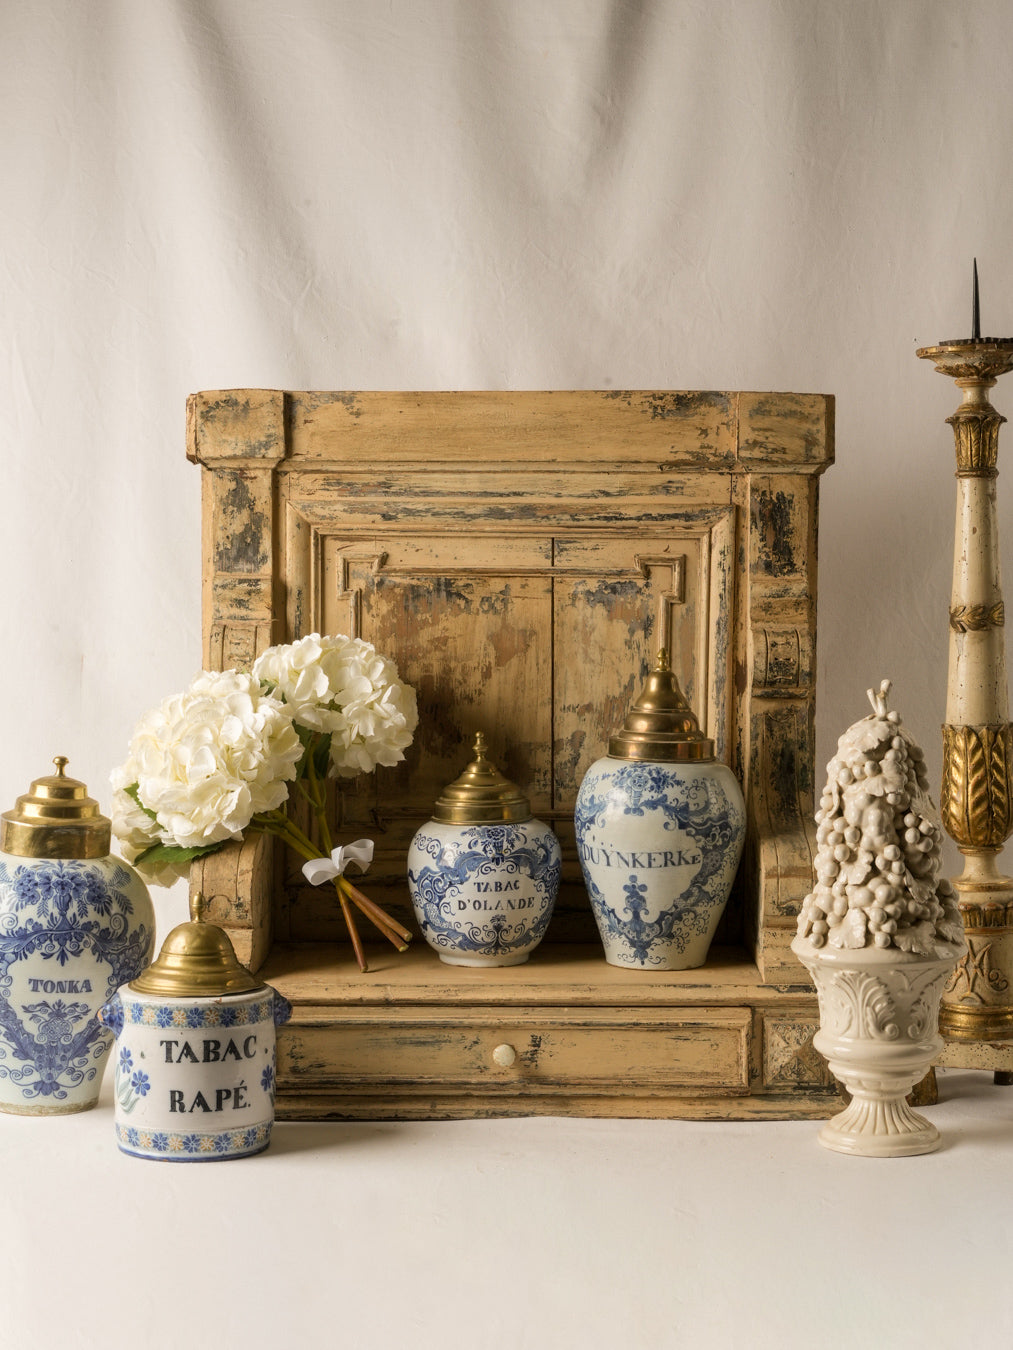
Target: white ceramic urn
{"type": "Point", "coordinates": [483, 873]}
{"type": "Point", "coordinates": [879, 1020]}
{"type": "Point", "coordinates": [75, 923]}
{"type": "Point", "coordinates": [660, 824]}
{"type": "Point", "coordinates": [195, 1052]}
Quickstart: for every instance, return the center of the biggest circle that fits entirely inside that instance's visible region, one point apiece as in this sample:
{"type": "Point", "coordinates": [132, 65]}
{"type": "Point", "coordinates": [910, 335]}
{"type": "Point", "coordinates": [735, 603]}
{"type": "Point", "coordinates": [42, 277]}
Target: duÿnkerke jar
{"type": "Point", "coordinates": [660, 824]}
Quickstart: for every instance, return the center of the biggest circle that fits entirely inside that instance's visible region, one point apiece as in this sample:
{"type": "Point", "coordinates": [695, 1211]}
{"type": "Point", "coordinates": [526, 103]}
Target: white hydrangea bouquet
{"type": "Point", "coordinates": [225, 756]}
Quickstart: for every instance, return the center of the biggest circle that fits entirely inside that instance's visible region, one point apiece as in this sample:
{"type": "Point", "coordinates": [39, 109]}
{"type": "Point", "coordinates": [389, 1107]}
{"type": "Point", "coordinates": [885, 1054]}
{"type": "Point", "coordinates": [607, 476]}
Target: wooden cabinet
{"type": "Point", "coordinates": [523, 556]}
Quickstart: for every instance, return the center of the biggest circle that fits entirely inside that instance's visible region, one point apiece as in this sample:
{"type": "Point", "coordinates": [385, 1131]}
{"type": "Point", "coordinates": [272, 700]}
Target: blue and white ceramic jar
{"type": "Point", "coordinates": [195, 1052]}
{"type": "Point", "coordinates": [75, 923]}
{"type": "Point", "coordinates": [660, 825]}
{"type": "Point", "coordinates": [483, 874]}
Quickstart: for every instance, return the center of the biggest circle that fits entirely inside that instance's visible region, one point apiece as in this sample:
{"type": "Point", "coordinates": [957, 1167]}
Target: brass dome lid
{"type": "Point", "coordinates": [197, 960]}
{"type": "Point", "coordinates": [661, 725]}
{"type": "Point", "coordinates": [56, 819]}
{"type": "Point", "coordinates": [481, 796]}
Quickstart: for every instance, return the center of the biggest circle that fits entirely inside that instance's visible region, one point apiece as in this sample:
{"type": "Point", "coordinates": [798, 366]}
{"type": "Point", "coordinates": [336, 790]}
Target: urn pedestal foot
{"type": "Point", "coordinates": [878, 1126]}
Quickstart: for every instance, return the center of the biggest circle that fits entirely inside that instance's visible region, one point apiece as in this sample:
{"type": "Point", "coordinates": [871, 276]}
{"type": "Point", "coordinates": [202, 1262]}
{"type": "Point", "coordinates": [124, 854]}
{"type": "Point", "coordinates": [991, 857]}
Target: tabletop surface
{"type": "Point", "coordinates": [510, 1234]}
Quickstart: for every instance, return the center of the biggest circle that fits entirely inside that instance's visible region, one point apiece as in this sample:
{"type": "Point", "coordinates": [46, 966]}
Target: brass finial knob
{"type": "Point", "coordinates": [56, 818]}
{"type": "Point", "coordinates": [661, 725]}
{"type": "Point", "coordinates": [481, 796]}
{"type": "Point", "coordinates": [197, 960]}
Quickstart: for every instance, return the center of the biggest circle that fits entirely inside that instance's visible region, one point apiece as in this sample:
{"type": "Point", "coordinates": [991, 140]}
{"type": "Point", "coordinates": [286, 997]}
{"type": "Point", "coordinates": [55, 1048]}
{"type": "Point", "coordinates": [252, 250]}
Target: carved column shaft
{"type": "Point", "coordinates": [975, 798]}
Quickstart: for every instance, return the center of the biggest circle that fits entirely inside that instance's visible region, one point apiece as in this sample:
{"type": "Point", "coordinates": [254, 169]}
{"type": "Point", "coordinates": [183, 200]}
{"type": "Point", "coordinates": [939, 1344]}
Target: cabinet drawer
{"type": "Point", "coordinates": [689, 1050]}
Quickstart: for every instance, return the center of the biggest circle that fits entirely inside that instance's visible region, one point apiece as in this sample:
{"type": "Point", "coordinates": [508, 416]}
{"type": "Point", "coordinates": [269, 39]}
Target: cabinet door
{"type": "Point", "coordinates": [540, 639]}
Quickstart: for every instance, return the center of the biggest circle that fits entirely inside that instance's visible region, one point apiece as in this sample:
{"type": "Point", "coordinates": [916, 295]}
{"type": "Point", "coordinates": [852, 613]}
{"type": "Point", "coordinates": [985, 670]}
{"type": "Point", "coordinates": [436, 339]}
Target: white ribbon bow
{"type": "Point", "coordinates": [320, 870]}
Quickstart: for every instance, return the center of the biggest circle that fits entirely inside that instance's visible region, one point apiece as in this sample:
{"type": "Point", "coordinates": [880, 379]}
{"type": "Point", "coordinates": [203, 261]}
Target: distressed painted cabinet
{"type": "Point", "coordinates": [523, 556]}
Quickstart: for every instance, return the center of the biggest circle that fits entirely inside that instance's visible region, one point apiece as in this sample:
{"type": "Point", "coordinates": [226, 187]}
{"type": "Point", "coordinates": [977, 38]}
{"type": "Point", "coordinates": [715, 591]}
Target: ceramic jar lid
{"type": "Point", "coordinates": [661, 725]}
{"type": "Point", "coordinates": [56, 819]}
{"type": "Point", "coordinates": [481, 796]}
{"type": "Point", "coordinates": [197, 960]}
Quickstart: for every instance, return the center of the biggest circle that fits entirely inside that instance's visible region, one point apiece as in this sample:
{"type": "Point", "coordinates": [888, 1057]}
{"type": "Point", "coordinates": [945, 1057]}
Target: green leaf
{"type": "Point", "coordinates": [316, 748]}
{"type": "Point", "coordinates": [175, 853]}
{"type": "Point", "coordinates": [322, 755]}
{"type": "Point", "coordinates": [135, 796]}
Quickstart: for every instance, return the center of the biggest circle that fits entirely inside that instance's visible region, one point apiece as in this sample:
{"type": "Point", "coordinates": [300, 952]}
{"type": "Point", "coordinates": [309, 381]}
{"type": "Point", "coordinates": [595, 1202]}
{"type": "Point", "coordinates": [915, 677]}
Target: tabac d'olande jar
{"type": "Point", "coordinates": [483, 873]}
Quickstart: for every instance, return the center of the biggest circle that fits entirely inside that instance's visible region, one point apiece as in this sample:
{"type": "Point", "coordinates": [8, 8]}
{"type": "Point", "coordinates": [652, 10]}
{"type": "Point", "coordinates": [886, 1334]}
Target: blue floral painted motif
{"type": "Point", "coordinates": [195, 1016]}
{"type": "Point", "coordinates": [130, 1084]}
{"type": "Point", "coordinates": [484, 851]}
{"type": "Point", "coordinates": [57, 911]}
{"type": "Point", "coordinates": [698, 808]}
{"type": "Point", "coordinates": [194, 1147]}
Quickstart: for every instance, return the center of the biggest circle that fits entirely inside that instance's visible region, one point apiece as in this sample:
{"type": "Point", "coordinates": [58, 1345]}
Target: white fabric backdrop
{"type": "Point", "coordinates": [764, 194]}
{"type": "Point", "coordinates": [756, 194]}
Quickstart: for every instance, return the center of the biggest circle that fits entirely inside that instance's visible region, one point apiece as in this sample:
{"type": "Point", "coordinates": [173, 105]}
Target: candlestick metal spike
{"type": "Point", "coordinates": [975, 308]}
{"type": "Point", "coordinates": [976, 798]}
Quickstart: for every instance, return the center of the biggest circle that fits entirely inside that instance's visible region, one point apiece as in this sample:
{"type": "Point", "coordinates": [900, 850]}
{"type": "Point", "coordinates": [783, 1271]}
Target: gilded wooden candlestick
{"type": "Point", "coordinates": [976, 798]}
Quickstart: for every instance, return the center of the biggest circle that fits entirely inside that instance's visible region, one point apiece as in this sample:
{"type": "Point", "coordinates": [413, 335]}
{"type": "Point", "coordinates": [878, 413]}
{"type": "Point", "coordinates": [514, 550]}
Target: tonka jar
{"type": "Point", "coordinates": [483, 873]}
{"type": "Point", "coordinates": [195, 1053]}
{"type": "Point", "coordinates": [660, 824]}
{"type": "Point", "coordinates": [75, 922]}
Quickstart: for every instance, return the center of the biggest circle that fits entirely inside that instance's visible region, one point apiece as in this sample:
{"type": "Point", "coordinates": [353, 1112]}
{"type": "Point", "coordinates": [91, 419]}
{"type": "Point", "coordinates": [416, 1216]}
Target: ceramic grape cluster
{"type": "Point", "coordinates": [878, 838]}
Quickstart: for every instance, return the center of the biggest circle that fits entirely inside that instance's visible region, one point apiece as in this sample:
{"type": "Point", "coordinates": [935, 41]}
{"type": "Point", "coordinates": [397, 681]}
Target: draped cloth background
{"type": "Point", "coordinates": [765, 194]}
{"type": "Point", "coordinates": [443, 194]}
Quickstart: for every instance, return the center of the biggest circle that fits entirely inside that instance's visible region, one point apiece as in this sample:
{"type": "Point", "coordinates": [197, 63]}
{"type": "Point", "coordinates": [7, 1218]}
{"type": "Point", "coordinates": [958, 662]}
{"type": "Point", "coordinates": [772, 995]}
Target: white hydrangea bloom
{"type": "Point", "coordinates": [343, 686]}
{"type": "Point", "coordinates": [135, 831]}
{"type": "Point", "coordinates": [206, 761]}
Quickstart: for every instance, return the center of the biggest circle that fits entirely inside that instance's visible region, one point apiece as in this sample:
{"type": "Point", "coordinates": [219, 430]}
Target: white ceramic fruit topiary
{"type": "Point", "coordinates": [879, 933]}
{"type": "Point", "coordinates": [879, 839]}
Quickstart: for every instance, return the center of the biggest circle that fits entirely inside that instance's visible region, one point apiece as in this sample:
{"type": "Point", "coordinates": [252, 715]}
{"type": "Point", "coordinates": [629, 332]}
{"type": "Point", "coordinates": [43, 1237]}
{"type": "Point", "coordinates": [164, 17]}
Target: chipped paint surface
{"type": "Point", "coordinates": [242, 548]}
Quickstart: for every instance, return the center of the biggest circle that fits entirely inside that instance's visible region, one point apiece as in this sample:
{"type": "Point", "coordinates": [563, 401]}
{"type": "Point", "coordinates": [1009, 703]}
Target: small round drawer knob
{"type": "Point", "coordinates": [504, 1056]}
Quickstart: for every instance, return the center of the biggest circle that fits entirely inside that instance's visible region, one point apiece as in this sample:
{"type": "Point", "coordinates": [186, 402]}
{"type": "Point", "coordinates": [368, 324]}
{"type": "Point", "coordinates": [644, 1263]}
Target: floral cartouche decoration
{"type": "Point", "coordinates": [880, 934]}
{"type": "Point", "coordinates": [224, 756]}
{"type": "Point", "coordinates": [878, 846]}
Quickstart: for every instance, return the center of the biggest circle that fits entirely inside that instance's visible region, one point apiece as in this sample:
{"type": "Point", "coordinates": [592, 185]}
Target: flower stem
{"type": "Point", "coordinates": [390, 927]}
{"type": "Point", "coordinates": [281, 825]}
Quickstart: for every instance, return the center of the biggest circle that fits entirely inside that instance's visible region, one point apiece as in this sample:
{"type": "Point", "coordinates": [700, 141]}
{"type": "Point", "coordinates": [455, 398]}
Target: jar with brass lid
{"type": "Point", "coordinates": [75, 922]}
{"type": "Point", "coordinates": [483, 873]}
{"type": "Point", "coordinates": [195, 1059]}
{"type": "Point", "coordinates": [660, 824]}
